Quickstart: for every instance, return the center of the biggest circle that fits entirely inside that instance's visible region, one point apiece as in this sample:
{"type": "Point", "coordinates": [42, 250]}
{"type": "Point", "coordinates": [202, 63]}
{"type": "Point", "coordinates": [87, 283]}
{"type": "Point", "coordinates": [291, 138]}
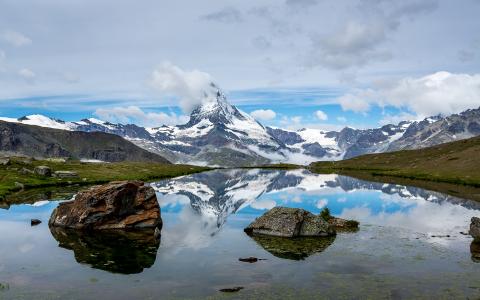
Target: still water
{"type": "Point", "coordinates": [409, 244]}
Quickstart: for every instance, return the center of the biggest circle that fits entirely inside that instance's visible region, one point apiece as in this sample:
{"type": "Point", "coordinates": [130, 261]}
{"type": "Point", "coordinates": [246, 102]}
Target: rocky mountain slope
{"type": "Point", "coordinates": [36, 141]}
{"type": "Point", "coordinates": [220, 134]}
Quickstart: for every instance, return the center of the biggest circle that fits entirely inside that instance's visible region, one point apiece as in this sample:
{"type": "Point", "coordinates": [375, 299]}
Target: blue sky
{"type": "Point", "coordinates": [294, 108]}
{"type": "Point", "coordinates": [361, 63]}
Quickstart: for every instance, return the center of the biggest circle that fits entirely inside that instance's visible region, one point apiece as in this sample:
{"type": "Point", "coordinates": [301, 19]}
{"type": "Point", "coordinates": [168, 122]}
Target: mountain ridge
{"type": "Point", "coordinates": [37, 141]}
{"type": "Point", "coordinates": [220, 134]}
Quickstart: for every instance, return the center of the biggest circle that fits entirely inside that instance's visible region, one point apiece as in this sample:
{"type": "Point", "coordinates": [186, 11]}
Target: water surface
{"type": "Point", "coordinates": [409, 244]}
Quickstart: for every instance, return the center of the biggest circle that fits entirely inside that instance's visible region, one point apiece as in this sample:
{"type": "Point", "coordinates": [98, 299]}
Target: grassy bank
{"type": "Point", "coordinates": [12, 179]}
{"type": "Point", "coordinates": [453, 163]}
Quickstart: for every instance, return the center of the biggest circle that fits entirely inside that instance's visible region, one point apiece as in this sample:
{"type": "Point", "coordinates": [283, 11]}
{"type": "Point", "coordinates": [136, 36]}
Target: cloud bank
{"type": "Point", "coordinates": [439, 93]}
{"type": "Point", "coordinates": [134, 114]}
{"type": "Point", "coordinates": [193, 87]}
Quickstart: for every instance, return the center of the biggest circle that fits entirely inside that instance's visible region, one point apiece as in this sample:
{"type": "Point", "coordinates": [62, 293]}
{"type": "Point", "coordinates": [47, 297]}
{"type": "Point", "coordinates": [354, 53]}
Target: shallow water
{"type": "Point", "coordinates": [401, 250]}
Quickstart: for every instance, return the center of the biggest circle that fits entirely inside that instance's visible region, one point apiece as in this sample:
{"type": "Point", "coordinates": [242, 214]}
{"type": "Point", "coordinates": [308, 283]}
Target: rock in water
{"type": "Point", "coordinates": [290, 222]}
{"type": "Point", "coordinates": [35, 222]}
{"type": "Point", "coordinates": [342, 224]}
{"type": "Point", "coordinates": [116, 205]}
{"type": "Point", "coordinates": [475, 229]}
{"type": "Point", "coordinates": [232, 290]}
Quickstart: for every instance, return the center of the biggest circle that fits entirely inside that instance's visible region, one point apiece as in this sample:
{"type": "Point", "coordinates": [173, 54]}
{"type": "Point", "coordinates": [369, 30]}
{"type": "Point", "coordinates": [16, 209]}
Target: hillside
{"type": "Point", "coordinates": [456, 162]}
{"type": "Point", "coordinates": [36, 141]}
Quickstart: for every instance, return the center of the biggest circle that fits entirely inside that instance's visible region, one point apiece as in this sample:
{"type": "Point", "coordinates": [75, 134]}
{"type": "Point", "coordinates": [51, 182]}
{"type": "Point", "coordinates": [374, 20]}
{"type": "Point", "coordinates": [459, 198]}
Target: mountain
{"type": "Point", "coordinates": [36, 141]}
{"type": "Point", "coordinates": [219, 134]}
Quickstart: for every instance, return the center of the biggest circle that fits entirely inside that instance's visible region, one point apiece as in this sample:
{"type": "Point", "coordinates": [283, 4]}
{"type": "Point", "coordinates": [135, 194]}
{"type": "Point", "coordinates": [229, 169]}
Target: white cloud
{"type": "Point", "coordinates": [342, 119]}
{"type": "Point", "coordinates": [356, 101]}
{"type": "Point", "coordinates": [263, 204]}
{"type": "Point", "coordinates": [15, 38]}
{"type": "Point", "coordinates": [134, 114]}
{"type": "Point", "coordinates": [322, 203]}
{"type": "Point", "coordinates": [395, 119]}
{"type": "Point", "coordinates": [263, 114]}
{"type": "Point", "coordinates": [438, 93]}
{"type": "Point", "coordinates": [192, 87]}
{"type": "Point", "coordinates": [296, 119]}
{"type": "Point", "coordinates": [321, 115]}
{"type": "Point", "coordinates": [27, 74]}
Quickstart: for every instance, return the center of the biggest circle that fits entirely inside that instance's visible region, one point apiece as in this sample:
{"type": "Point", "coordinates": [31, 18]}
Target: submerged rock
{"type": "Point", "coordinates": [115, 251]}
{"type": "Point", "coordinates": [116, 205]}
{"type": "Point", "coordinates": [290, 222]}
{"type": "Point", "coordinates": [475, 229]}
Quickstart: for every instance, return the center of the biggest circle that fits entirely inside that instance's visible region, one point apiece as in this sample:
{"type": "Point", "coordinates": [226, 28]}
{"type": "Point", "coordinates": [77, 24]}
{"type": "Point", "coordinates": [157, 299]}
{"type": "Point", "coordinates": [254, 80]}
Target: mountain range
{"type": "Point", "coordinates": [219, 134]}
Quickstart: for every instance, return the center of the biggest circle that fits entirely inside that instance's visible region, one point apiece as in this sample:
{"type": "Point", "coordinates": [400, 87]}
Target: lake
{"type": "Point", "coordinates": [411, 243]}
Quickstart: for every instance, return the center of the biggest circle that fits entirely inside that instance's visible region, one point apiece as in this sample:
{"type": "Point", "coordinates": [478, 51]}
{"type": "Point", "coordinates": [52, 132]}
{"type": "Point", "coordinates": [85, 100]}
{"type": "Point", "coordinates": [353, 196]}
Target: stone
{"type": "Point", "coordinates": [4, 161]}
{"type": "Point", "coordinates": [290, 222]}
{"type": "Point", "coordinates": [25, 171]}
{"type": "Point", "coordinates": [232, 290]}
{"type": "Point", "coordinates": [249, 259]}
{"type": "Point", "coordinates": [65, 174]}
{"type": "Point", "coordinates": [475, 229]}
{"type": "Point", "coordinates": [339, 223]}
{"type": "Point", "coordinates": [116, 205]}
{"type": "Point", "coordinates": [43, 171]}
{"type": "Point", "coordinates": [35, 222]}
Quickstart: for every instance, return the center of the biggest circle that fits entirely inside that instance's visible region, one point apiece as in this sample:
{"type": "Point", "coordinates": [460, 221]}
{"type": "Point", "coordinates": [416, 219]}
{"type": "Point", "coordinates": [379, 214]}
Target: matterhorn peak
{"type": "Point", "coordinates": [214, 107]}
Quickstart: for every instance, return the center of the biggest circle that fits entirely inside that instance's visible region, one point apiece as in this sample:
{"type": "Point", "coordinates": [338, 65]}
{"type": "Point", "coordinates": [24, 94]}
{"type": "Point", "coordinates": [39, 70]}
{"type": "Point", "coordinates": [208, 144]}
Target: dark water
{"type": "Point", "coordinates": [401, 250]}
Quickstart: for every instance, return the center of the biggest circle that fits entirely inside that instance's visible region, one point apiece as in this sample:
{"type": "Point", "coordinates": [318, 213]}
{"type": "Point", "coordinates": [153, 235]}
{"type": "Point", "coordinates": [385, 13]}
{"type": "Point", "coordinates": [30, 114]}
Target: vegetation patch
{"type": "Point", "coordinates": [18, 173]}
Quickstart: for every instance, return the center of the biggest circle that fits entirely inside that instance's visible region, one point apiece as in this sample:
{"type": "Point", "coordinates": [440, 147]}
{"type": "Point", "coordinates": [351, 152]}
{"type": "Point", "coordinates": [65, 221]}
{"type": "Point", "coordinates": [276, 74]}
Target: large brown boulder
{"type": "Point", "coordinates": [116, 205]}
{"type": "Point", "coordinates": [290, 222]}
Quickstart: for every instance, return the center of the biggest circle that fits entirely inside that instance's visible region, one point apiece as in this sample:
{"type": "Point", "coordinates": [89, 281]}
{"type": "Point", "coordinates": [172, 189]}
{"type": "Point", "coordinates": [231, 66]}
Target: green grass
{"type": "Point", "coordinates": [453, 163]}
{"type": "Point", "coordinates": [88, 173]}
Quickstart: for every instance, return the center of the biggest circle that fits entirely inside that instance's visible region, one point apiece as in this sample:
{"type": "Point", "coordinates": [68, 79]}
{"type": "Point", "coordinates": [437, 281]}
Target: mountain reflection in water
{"type": "Point", "coordinates": [409, 243]}
{"type": "Point", "coordinates": [215, 195]}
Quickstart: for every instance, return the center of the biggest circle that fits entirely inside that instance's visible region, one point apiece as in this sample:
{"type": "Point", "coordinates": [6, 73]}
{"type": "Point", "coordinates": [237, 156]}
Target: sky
{"type": "Point", "coordinates": [290, 63]}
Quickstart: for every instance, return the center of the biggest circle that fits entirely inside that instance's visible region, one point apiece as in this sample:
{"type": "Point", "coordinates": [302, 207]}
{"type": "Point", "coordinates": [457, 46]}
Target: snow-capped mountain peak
{"type": "Point", "coordinates": [215, 108]}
